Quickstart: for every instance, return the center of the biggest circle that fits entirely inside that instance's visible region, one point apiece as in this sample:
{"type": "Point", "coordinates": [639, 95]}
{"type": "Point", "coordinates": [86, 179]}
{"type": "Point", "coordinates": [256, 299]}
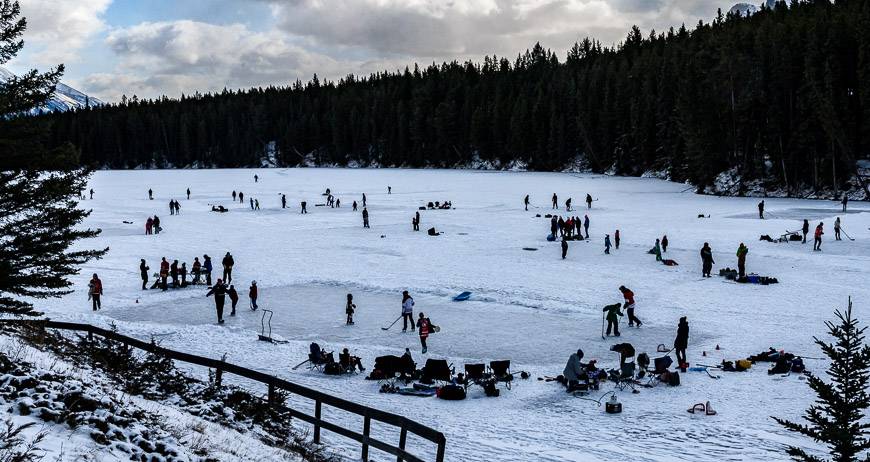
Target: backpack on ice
{"type": "Point", "coordinates": [451, 392]}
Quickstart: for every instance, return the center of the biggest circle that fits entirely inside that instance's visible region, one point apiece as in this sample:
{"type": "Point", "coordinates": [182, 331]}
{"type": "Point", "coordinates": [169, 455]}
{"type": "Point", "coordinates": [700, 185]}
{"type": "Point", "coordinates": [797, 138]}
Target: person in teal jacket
{"type": "Point", "coordinates": [613, 314]}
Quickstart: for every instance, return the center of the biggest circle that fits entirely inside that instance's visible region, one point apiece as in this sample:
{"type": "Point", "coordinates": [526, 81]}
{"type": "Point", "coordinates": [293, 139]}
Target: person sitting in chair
{"type": "Point", "coordinates": [318, 355]}
{"type": "Point", "coordinates": [348, 362]}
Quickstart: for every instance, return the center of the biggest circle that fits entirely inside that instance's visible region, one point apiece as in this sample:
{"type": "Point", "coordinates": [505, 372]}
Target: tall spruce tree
{"type": "Point", "coordinates": [837, 419]}
{"type": "Point", "coordinates": [39, 185]}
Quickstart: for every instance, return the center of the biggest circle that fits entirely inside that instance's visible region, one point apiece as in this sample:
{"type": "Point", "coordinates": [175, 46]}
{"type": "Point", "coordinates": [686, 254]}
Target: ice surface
{"type": "Point", "coordinates": [531, 307]}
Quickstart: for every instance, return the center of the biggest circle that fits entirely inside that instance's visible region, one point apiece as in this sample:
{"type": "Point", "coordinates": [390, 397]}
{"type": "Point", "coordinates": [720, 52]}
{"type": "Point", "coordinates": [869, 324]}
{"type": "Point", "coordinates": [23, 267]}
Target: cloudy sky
{"type": "Point", "coordinates": [169, 47]}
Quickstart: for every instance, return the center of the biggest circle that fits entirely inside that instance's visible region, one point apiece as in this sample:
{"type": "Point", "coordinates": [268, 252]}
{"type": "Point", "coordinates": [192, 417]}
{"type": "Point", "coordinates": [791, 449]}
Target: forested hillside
{"type": "Point", "coordinates": [781, 96]}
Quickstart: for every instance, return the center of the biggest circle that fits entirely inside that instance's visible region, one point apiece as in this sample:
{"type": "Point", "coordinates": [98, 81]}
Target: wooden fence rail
{"type": "Point", "coordinates": [368, 414]}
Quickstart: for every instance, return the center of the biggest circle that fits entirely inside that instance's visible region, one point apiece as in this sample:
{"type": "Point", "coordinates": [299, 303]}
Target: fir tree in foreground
{"type": "Point", "coordinates": [837, 417]}
{"type": "Point", "coordinates": [39, 185]}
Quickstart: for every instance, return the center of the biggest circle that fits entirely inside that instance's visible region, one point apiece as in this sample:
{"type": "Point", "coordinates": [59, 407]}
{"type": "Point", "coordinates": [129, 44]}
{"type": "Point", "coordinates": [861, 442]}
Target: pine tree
{"type": "Point", "coordinates": [39, 185]}
{"type": "Point", "coordinates": [837, 417]}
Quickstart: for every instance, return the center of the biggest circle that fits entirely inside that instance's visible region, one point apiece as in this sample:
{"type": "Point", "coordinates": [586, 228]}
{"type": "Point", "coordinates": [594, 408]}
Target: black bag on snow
{"type": "Point", "coordinates": [674, 379]}
{"type": "Point", "coordinates": [451, 392]}
{"type": "Point", "coordinates": [797, 366]}
{"type": "Point", "coordinates": [332, 369]}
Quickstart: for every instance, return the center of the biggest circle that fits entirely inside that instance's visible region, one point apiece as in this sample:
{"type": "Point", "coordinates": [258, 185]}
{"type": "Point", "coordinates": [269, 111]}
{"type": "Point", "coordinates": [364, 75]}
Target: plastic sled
{"type": "Point", "coordinates": [462, 297]}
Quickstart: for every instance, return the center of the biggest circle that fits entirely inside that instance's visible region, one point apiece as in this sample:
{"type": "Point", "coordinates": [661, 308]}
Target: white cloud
{"type": "Point", "coordinates": [186, 56]}
{"type": "Point", "coordinates": [58, 29]}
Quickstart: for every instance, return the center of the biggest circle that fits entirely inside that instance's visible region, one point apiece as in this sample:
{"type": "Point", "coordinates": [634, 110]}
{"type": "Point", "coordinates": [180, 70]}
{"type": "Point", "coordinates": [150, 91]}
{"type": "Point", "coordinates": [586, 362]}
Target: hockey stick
{"type": "Point", "coordinates": [299, 365]}
{"type": "Point", "coordinates": [602, 326]}
{"type": "Point", "coordinates": [391, 325]}
{"type": "Point", "coordinates": [843, 230]}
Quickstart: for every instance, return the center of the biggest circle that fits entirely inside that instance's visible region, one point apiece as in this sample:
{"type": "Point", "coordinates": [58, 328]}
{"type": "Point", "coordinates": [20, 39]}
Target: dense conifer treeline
{"type": "Point", "coordinates": [783, 95]}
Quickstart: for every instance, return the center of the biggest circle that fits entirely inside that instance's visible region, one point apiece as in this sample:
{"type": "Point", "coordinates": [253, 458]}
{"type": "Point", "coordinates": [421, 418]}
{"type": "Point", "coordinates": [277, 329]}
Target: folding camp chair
{"type": "Point", "coordinates": [660, 366]}
{"type": "Point", "coordinates": [624, 377]}
{"type": "Point", "coordinates": [436, 370]}
{"type": "Point", "coordinates": [501, 372]}
{"type": "Point", "coordinates": [318, 358]}
{"type": "Point", "coordinates": [475, 374]}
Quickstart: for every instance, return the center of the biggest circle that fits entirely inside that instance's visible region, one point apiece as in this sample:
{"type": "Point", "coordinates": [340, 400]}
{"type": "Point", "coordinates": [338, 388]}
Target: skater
{"type": "Point", "coordinates": [554, 226]}
{"type": "Point", "coordinates": [389, 189]}
{"type": "Point", "coordinates": [149, 226]}
{"type": "Point", "coordinates": [177, 208]}
{"type": "Point", "coordinates": [416, 221]}
{"type": "Point", "coordinates": [156, 224]}
{"type": "Point", "coordinates": [241, 197]}
{"type": "Point", "coordinates": [219, 291]}
{"type": "Point", "coordinates": [171, 207]}
{"type": "Point", "coordinates": [256, 204]}
{"type": "Point", "coordinates": [568, 204]}
{"type": "Point", "coordinates": [564, 248]}
{"type": "Point", "coordinates": [182, 273]}
{"type": "Point", "coordinates": [337, 203]}
{"type": "Point", "coordinates": [423, 327]}
{"type": "Point", "coordinates": [555, 202]}
{"type": "Point", "coordinates": [364, 200]}
{"type": "Point", "coordinates": [92, 193]}
{"type": "Point", "coordinates": [616, 239]}
{"type": "Point", "coordinates": [252, 203]}
{"type": "Point", "coordinates": [354, 206]}
{"type": "Point", "coordinates": [681, 343]}
{"type": "Point", "coordinates": [164, 274]}
{"type": "Point", "coordinates": [806, 229]}
{"type": "Point", "coordinates": [143, 271]}
{"type": "Point", "coordinates": [657, 250]}
{"type": "Point", "coordinates": [234, 195]}
{"type": "Point", "coordinates": [188, 193]}
{"type": "Point", "coordinates": [588, 202]}
{"type": "Point", "coordinates": [252, 294]}
{"type": "Point", "coordinates": [607, 244]}
{"type": "Point", "coordinates": [761, 209]}
{"type": "Point", "coordinates": [742, 251]}
{"type": "Point", "coordinates": [349, 309]}
{"type": "Point", "coordinates": [234, 299]}
{"type": "Point", "coordinates": [629, 306]}
{"type": "Point", "coordinates": [613, 314]}
{"type": "Point", "coordinates": [256, 178]}
{"type": "Point", "coordinates": [283, 201]}
{"type": "Point", "coordinates": [665, 243]}
{"type": "Point", "coordinates": [706, 260]}
{"type": "Point", "coordinates": [526, 202]}
{"type": "Point", "coordinates": [817, 245]}
{"type": "Point", "coordinates": [173, 273]}
{"type": "Point", "coordinates": [586, 225]}
{"type": "Point", "coordinates": [365, 214]}
{"type": "Point", "coordinates": [407, 311]}
{"type": "Point", "coordinates": [228, 263]}
{"type": "Point", "coordinates": [561, 224]}
{"type": "Point", "coordinates": [150, 195]}
{"type": "Point", "coordinates": [837, 229]}
{"type": "Point", "coordinates": [845, 201]}
{"type": "Point", "coordinates": [95, 291]}
{"type": "Point", "coordinates": [348, 362]}
{"type": "Point", "coordinates": [207, 268]}
{"type": "Point", "coordinates": [304, 208]}
{"type": "Point", "coordinates": [196, 269]}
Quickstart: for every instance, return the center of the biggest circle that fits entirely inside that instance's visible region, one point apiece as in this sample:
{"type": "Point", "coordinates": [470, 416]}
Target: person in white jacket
{"type": "Point", "coordinates": [407, 311]}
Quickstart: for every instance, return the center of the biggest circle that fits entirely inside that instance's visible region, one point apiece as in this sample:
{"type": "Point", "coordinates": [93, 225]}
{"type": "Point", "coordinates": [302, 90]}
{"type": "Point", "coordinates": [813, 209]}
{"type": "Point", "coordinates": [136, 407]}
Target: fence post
{"type": "Point", "coordinates": [367, 425]}
{"type": "Point", "coordinates": [403, 436]}
{"type": "Point", "coordinates": [441, 444]}
{"type": "Point", "coordinates": [317, 424]}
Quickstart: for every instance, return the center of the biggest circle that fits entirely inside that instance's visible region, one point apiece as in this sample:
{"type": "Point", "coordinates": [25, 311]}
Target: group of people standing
{"type": "Point", "coordinates": [177, 273]}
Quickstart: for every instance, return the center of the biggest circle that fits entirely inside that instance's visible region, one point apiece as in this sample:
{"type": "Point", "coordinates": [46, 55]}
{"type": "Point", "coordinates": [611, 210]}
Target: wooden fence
{"type": "Point", "coordinates": [273, 383]}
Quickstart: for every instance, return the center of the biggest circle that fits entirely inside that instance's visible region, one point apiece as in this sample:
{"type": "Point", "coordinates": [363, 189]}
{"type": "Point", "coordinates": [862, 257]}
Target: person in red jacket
{"type": "Point", "coordinates": [817, 245]}
{"type": "Point", "coordinates": [628, 295]}
{"type": "Point", "coordinates": [95, 290]}
{"type": "Point", "coordinates": [149, 226]}
{"type": "Point", "coordinates": [423, 327]}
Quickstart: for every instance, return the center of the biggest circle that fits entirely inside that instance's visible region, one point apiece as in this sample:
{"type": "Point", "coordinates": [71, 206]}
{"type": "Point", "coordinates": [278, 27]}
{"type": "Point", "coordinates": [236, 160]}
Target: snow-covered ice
{"type": "Point", "coordinates": [530, 307]}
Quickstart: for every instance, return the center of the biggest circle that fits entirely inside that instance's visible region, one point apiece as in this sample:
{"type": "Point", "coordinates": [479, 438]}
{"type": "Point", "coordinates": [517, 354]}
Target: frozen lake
{"type": "Point", "coordinates": [528, 306]}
